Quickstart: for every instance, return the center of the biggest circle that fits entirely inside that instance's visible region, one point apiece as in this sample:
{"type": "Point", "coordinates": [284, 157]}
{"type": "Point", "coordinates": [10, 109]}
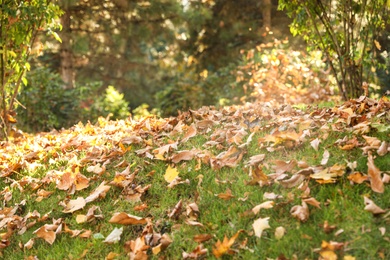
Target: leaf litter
{"type": "Point", "coordinates": [90, 151]}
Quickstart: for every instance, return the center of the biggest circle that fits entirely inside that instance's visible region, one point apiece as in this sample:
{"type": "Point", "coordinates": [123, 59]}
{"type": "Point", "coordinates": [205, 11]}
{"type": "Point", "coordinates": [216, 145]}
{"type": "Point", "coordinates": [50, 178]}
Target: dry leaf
{"type": "Point", "coordinates": [221, 248]}
{"type": "Point", "coordinates": [315, 143]}
{"type": "Point", "coordinates": [114, 236]}
{"type": "Point", "coordinates": [197, 253]}
{"type": "Point", "coordinates": [48, 236]}
{"type": "Point", "coordinates": [279, 232]}
{"type": "Point", "coordinates": [300, 212]}
{"type": "Point", "coordinates": [375, 176]}
{"type": "Point", "coordinates": [225, 196]}
{"type": "Point", "coordinates": [202, 238]}
{"type": "Point", "coordinates": [126, 219]}
{"type": "Point", "coordinates": [74, 205]}
{"type": "Point", "coordinates": [357, 177]}
{"type": "Point", "coordinates": [313, 202]}
{"type": "Point", "coordinates": [29, 244]}
{"type": "Point", "coordinates": [99, 192]}
{"type": "Point", "coordinates": [372, 207]}
{"type": "Point", "coordinates": [183, 156]}
{"type": "Point", "coordinates": [265, 205]}
{"type": "Point", "coordinates": [259, 225]}
{"type": "Point", "coordinates": [325, 157]}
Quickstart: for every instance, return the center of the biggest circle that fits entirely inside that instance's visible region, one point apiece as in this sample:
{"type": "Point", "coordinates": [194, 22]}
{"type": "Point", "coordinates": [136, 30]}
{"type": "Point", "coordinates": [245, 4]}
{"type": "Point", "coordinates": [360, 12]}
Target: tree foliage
{"type": "Point", "coordinates": [346, 31]}
{"type": "Point", "coordinates": [20, 22]}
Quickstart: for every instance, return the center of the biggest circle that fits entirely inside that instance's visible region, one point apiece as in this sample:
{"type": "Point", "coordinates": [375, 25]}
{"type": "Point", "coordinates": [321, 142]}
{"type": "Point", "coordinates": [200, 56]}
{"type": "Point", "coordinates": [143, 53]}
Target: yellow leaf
{"type": "Point", "coordinates": [170, 174]}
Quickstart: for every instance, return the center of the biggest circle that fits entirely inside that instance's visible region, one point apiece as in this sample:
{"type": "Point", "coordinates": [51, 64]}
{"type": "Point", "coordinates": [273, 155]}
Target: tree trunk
{"type": "Point", "coordinates": [66, 54]}
{"type": "Point", "coordinates": [266, 12]}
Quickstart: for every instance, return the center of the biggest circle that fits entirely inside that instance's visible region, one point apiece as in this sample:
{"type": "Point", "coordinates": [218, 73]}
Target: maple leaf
{"type": "Point", "coordinates": [126, 219]}
{"type": "Point", "coordinates": [260, 225]}
{"type": "Point", "coordinates": [221, 248]}
{"type": "Point", "coordinates": [170, 174]}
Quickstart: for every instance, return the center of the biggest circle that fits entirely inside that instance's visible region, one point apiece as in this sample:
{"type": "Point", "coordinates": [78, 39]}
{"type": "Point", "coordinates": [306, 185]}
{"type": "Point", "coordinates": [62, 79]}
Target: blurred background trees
{"type": "Point", "coordinates": [120, 56]}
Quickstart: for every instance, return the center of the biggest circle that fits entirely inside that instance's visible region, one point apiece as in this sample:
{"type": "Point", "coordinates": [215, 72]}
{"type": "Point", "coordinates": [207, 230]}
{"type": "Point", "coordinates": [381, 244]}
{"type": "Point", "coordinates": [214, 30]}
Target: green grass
{"type": "Point", "coordinates": [341, 202]}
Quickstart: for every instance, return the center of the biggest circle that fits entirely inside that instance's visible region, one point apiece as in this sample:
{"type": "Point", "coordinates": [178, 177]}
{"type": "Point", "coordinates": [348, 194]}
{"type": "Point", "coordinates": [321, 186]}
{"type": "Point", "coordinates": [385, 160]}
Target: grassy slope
{"type": "Point", "coordinates": [36, 163]}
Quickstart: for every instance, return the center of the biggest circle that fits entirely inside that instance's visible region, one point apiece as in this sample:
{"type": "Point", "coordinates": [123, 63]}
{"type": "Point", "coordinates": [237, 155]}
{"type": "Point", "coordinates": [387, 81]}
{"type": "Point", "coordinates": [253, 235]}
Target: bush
{"type": "Point", "coordinates": [46, 103]}
{"type": "Point", "coordinates": [112, 104]}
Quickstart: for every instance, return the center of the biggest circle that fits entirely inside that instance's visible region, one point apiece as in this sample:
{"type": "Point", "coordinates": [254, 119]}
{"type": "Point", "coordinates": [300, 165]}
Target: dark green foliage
{"type": "Point", "coordinates": [47, 104]}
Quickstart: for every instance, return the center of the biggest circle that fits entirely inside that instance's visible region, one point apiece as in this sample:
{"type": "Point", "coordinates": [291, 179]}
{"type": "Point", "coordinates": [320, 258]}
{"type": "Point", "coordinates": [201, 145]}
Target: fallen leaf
{"type": "Point", "coordinates": [300, 212]}
{"type": "Point", "coordinates": [126, 219]}
{"type": "Point", "coordinates": [197, 253]}
{"type": "Point", "coordinates": [279, 232]}
{"type": "Point", "coordinates": [29, 244]}
{"type": "Point", "coordinates": [176, 210]}
{"type": "Point", "coordinates": [265, 205]}
{"type": "Point", "coordinates": [312, 201]}
{"type": "Point", "coordinates": [325, 157]}
{"type": "Point", "coordinates": [170, 174]}
{"type": "Point", "coordinates": [202, 238]}
{"type": "Point", "coordinates": [260, 225]}
{"type": "Point", "coordinates": [315, 143]}
{"type": "Point", "coordinates": [74, 205]}
{"type": "Point", "coordinates": [372, 207]}
{"type": "Point", "coordinates": [48, 235]}
{"type": "Point", "coordinates": [183, 156]}
{"type": "Point", "coordinates": [225, 196]}
{"type": "Point", "coordinates": [357, 177]}
{"type": "Point", "coordinates": [221, 248]}
{"type": "Point", "coordinates": [99, 192]}
{"type": "Point", "coordinates": [375, 176]}
{"type": "Point", "coordinates": [114, 236]}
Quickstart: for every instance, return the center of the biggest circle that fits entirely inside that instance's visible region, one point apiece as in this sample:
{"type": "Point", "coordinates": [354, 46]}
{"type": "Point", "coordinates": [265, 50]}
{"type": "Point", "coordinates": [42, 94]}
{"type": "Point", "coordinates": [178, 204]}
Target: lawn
{"type": "Point", "coordinates": [238, 182]}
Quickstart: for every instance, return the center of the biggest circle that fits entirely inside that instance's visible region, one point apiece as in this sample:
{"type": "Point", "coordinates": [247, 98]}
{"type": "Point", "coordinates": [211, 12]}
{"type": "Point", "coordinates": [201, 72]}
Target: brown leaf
{"type": "Point", "coordinates": [202, 238]}
{"type": "Point", "coordinates": [197, 253]}
{"type": "Point", "coordinates": [357, 177]}
{"type": "Point", "coordinates": [191, 132]}
{"type": "Point", "coordinates": [126, 219]}
{"type": "Point", "coordinates": [225, 196]}
{"type": "Point", "coordinates": [375, 176]}
{"type": "Point", "coordinates": [185, 155]}
{"type": "Point", "coordinates": [176, 211]}
{"type": "Point", "coordinates": [258, 176]}
{"type": "Point", "coordinates": [48, 236]}
{"type": "Point", "coordinates": [256, 159]}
